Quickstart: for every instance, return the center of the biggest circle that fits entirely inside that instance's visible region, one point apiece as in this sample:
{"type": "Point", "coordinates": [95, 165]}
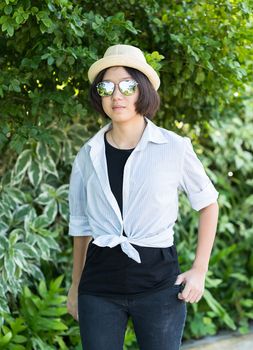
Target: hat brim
{"type": "Point", "coordinates": [126, 61]}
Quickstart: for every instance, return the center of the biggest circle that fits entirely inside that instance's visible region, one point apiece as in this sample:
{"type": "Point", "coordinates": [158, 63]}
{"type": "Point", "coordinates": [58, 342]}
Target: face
{"type": "Point", "coordinates": [118, 107]}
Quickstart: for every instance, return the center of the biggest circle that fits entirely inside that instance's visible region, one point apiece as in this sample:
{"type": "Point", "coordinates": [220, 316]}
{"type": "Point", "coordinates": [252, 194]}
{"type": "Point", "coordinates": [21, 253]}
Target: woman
{"type": "Point", "coordinates": [123, 206]}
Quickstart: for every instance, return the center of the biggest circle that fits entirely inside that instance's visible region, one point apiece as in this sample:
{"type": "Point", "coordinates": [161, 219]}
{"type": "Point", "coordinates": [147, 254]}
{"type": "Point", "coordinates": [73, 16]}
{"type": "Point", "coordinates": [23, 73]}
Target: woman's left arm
{"type": "Point", "coordinates": [194, 279]}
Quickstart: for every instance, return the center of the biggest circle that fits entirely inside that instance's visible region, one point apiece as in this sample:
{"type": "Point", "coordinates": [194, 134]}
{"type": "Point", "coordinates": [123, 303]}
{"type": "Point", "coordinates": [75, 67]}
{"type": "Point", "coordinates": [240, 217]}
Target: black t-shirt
{"type": "Point", "coordinates": [109, 271]}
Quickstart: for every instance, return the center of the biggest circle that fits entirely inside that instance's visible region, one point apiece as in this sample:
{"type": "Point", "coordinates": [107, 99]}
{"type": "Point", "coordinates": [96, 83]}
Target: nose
{"type": "Point", "coordinates": [116, 93]}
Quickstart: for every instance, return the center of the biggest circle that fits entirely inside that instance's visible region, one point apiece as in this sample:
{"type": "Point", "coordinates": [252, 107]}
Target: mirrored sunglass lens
{"type": "Point", "coordinates": [105, 88]}
{"type": "Point", "coordinates": [128, 87]}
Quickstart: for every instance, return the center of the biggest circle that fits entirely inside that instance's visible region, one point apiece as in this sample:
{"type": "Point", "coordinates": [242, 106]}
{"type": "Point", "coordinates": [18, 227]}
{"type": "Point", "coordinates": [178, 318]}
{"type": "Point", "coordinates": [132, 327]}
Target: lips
{"type": "Point", "coordinates": [118, 108]}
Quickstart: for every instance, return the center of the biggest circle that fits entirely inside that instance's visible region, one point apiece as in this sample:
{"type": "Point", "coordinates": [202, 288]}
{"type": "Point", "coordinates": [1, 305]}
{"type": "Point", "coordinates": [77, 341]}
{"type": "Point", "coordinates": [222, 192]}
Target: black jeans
{"type": "Point", "coordinates": [158, 320]}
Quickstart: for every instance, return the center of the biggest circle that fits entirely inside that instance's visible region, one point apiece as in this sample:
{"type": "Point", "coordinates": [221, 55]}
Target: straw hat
{"type": "Point", "coordinates": [128, 56]}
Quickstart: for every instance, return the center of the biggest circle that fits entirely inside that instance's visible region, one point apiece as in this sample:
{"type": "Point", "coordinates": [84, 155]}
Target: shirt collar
{"type": "Point", "coordinates": [152, 133]}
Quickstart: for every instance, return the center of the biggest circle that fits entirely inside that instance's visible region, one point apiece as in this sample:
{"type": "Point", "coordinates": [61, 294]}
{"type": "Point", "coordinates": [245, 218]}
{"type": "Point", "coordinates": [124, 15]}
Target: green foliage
{"type": "Point", "coordinates": [12, 333]}
{"type": "Point", "coordinates": [228, 153]}
{"type": "Point", "coordinates": [200, 48]}
{"type": "Point", "coordinates": [34, 209]}
{"type": "Point", "coordinates": [40, 325]}
{"type": "Point", "coordinates": [130, 341]}
{"type": "Point", "coordinates": [34, 214]}
{"type": "Point", "coordinates": [203, 53]}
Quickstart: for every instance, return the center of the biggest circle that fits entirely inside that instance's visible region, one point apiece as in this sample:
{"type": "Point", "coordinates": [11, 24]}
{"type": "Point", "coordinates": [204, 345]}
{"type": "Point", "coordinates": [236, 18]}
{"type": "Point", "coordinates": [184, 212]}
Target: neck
{"type": "Point", "coordinates": [127, 135]}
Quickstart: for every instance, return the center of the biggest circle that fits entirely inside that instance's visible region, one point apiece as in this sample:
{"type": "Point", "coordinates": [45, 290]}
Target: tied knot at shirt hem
{"type": "Point", "coordinates": [112, 241]}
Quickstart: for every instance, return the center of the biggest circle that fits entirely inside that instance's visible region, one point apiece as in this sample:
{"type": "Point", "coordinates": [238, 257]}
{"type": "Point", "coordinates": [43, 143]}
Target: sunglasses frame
{"type": "Point", "coordinates": [125, 80]}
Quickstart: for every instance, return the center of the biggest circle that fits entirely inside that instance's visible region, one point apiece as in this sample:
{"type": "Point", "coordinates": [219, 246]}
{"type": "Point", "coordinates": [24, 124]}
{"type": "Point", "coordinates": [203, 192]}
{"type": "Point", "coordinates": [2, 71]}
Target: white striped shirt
{"type": "Point", "coordinates": [162, 164]}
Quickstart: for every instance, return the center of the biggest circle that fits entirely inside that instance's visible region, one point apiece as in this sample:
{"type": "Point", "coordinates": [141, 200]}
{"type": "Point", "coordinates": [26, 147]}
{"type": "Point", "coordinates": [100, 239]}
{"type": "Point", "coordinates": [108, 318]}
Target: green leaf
{"type": "Point", "coordinates": [10, 267]}
{"type": "Point", "coordinates": [62, 191]}
{"type": "Point", "coordinates": [50, 166]}
{"type": "Point", "coordinates": [240, 277]}
{"type": "Point", "coordinates": [64, 210]}
{"type": "Point", "coordinates": [21, 212]}
{"type": "Point", "coordinates": [27, 250]}
{"type": "Point", "coordinates": [41, 150]}
{"type": "Point", "coordinates": [36, 272]}
{"type": "Point", "coordinates": [43, 198]}
{"type": "Point", "coordinates": [42, 289]}
{"type": "Point", "coordinates": [10, 30]}
{"type": "Point", "coordinates": [23, 162]}
{"type": "Point", "coordinates": [177, 37]}
{"type": "Point", "coordinates": [44, 247]}
{"type": "Point", "coordinates": [8, 9]}
{"type": "Point", "coordinates": [200, 77]}
{"type": "Point", "coordinates": [20, 261]}
{"type": "Point", "coordinates": [17, 347]}
{"type": "Point", "coordinates": [70, 60]}
{"type": "Point", "coordinates": [218, 309]}
{"type": "Point", "coordinates": [51, 324]}
{"type": "Point", "coordinates": [14, 84]}
{"type": "Point", "coordinates": [193, 53]}
{"type": "Point", "coordinates": [4, 243]}
{"type": "Point", "coordinates": [19, 339]}
{"type": "Point", "coordinates": [43, 16]}
{"type": "Point", "coordinates": [50, 211]}
{"type": "Point", "coordinates": [54, 312]}
{"type": "Point", "coordinates": [41, 221]}
{"type": "Point", "coordinates": [35, 173]}
{"type": "Point", "coordinates": [15, 236]}
{"type": "Point", "coordinates": [130, 27]}
{"type": "Point", "coordinates": [16, 194]}
{"type": "Point", "coordinates": [99, 19]}
{"type": "Point", "coordinates": [50, 60]}
{"type": "Point", "coordinates": [55, 285]}
{"type": "Point", "coordinates": [5, 339]}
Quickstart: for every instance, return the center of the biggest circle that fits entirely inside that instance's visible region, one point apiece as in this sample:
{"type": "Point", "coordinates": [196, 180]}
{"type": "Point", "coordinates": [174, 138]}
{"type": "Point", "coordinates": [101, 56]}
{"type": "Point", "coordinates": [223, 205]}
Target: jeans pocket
{"type": "Point", "coordinates": [178, 287]}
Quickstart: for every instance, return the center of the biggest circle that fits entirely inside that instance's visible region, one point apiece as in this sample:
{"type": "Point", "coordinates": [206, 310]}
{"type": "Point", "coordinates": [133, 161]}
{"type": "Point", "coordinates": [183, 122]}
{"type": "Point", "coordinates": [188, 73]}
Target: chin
{"type": "Point", "coordinates": [121, 118]}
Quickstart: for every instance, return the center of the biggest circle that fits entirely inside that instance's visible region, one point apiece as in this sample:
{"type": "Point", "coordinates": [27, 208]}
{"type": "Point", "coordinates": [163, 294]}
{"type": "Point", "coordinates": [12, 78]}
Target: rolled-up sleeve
{"type": "Point", "coordinates": [78, 221]}
{"type": "Point", "coordinates": [194, 180]}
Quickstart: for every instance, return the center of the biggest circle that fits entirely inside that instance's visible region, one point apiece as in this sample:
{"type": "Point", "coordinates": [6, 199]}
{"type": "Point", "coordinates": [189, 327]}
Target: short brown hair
{"type": "Point", "coordinates": [147, 103]}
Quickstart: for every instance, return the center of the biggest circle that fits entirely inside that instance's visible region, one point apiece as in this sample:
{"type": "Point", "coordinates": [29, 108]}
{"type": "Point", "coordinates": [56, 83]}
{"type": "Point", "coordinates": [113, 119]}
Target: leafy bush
{"type": "Point", "coordinates": [39, 325]}
{"type": "Point", "coordinates": [228, 153]}
{"type": "Point", "coordinates": [49, 46]}
{"type": "Point", "coordinates": [33, 243]}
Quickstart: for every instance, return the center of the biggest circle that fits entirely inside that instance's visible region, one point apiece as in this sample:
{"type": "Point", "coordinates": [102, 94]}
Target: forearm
{"type": "Point", "coordinates": [194, 279]}
{"type": "Point", "coordinates": [80, 246]}
{"type": "Point", "coordinates": [206, 234]}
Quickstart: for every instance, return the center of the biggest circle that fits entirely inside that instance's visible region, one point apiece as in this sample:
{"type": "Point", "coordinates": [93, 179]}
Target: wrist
{"type": "Point", "coordinates": [201, 268]}
{"type": "Point", "coordinates": [74, 284]}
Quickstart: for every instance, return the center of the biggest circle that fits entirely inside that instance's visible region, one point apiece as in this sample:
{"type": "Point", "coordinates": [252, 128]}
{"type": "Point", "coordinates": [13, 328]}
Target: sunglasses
{"type": "Point", "coordinates": [126, 87]}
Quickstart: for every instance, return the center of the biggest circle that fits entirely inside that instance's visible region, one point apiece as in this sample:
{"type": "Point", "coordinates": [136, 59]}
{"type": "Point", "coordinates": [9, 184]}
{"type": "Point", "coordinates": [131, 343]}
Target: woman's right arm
{"type": "Point", "coordinates": [79, 256]}
{"type": "Point", "coordinates": [78, 228]}
{"type": "Point", "coordinates": [80, 246]}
